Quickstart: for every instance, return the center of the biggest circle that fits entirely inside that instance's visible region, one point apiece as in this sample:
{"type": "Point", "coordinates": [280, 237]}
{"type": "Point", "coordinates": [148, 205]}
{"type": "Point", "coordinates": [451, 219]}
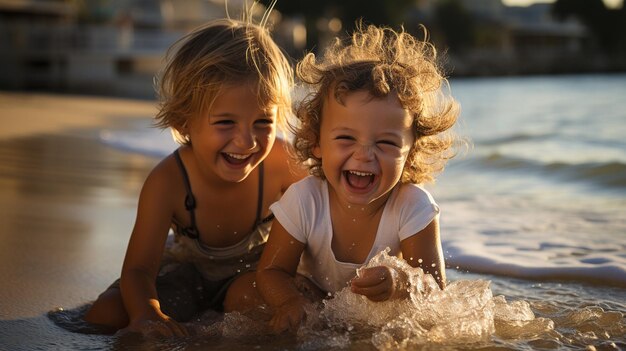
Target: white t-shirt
{"type": "Point", "coordinates": [304, 211]}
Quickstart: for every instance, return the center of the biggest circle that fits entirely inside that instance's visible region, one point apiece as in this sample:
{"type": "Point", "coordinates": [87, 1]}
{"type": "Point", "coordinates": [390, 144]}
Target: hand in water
{"type": "Point", "coordinates": [378, 283]}
{"type": "Point", "coordinates": [289, 315]}
{"type": "Point", "coordinates": [158, 325]}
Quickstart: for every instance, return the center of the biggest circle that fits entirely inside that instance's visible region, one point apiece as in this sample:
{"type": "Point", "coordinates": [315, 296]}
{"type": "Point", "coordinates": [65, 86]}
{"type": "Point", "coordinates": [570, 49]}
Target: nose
{"type": "Point", "coordinates": [245, 139]}
{"type": "Point", "coordinates": [364, 153]}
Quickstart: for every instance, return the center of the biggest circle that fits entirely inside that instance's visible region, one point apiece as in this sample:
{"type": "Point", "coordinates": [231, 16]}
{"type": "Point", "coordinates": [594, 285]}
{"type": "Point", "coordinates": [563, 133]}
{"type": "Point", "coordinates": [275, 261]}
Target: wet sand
{"type": "Point", "coordinates": [67, 205]}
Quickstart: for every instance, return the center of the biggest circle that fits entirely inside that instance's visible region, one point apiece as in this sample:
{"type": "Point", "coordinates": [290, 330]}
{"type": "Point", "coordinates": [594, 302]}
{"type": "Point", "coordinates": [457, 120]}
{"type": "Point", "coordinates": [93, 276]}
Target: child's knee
{"type": "Point", "coordinates": [108, 310]}
{"type": "Point", "coordinates": [242, 294]}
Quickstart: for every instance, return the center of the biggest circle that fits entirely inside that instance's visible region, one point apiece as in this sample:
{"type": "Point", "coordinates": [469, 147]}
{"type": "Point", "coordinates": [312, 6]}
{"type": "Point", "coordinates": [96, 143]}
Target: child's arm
{"type": "Point", "coordinates": [275, 274]}
{"type": "Point", "coordinates": [424, 250]}
{"type": "Point", "coordinates": [420, 250]}
{"type": "Point", "coordinates": [144, 254]}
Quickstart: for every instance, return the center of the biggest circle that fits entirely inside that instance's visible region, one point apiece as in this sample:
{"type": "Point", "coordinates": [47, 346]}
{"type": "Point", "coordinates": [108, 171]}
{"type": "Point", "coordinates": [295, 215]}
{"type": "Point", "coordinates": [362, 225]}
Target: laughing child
{"type": "Point", "coordinates": [224, 93]}
{"type": "Point", "coordinates": [374, 129]}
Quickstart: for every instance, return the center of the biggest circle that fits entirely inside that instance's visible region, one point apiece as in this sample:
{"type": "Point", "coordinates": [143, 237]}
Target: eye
{"type": "Point", "coordinates": [387, 142]}
{"type": "Point", "coordinates": [344, 137]}
{"type": "Point", "coordinates": [223, 122]}
{"type": "Point", "coordinates": [264, 122]}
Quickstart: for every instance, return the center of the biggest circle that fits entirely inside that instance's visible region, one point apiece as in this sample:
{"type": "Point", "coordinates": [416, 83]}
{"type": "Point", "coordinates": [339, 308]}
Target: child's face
{"type": "Point", "coordinates": [235, 136]}
{"type": "Point", "coordinates": [364, 145]}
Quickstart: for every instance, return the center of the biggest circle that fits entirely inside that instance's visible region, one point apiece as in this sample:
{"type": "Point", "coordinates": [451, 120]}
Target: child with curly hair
{"type": "Point", "coordinates": [375, 127]}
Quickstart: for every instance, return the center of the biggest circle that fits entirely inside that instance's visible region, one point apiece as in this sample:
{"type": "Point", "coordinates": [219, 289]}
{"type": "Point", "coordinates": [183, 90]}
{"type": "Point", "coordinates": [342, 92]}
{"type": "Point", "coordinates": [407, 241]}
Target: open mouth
{"type": "Point", "coordinates": [236, 159]}
{"type": "Point", "coordinates": [359, 180]}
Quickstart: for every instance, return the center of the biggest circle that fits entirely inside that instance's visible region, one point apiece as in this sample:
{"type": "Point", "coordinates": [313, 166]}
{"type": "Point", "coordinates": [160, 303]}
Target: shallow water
{"type": "Point", "coordinates": [472, 313]}
{"type": "Point", "coordinates": [542, 193]}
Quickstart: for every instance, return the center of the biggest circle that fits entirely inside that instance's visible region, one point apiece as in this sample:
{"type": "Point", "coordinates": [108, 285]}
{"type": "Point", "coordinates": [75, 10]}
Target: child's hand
{"type": "Point", "coordinates": [378, 283]}
{"type": "Point", "coordinates": [159, 324]}
{"type": "Point", "coordinates": [289, 315]}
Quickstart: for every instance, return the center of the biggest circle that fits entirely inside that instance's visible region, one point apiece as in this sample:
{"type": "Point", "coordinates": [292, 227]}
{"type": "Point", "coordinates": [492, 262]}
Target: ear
{"type": "Point", "coordinates": [317, 151]}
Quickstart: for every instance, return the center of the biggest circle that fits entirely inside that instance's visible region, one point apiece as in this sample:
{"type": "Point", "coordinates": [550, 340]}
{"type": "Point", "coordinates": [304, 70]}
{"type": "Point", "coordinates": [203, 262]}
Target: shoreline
{"type": "Point", "coordinates": [33, 113]}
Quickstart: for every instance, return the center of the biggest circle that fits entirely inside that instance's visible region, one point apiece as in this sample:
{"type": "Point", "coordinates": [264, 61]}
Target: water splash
{"type": "Point", "coordinates": [462, 313]}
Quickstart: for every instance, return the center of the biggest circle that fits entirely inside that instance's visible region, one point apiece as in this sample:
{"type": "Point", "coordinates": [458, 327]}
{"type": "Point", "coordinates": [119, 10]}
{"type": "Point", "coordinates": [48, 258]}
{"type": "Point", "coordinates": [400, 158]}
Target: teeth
{"type": "Point", "coordinates": [361, 174]}
{"type": "Point", "coordinates": [237, 156]}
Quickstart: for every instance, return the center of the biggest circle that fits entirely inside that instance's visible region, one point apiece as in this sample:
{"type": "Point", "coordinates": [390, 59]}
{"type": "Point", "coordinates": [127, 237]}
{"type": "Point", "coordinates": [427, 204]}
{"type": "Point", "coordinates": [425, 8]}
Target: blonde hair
{"type": "Point", "coordinates": [222, 52]}
{"type": "Point", "coordinates": [380, 61]}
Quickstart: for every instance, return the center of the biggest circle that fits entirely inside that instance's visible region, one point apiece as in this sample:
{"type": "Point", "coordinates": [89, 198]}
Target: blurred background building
{"type": "Point", "coordinates": [117, 47]}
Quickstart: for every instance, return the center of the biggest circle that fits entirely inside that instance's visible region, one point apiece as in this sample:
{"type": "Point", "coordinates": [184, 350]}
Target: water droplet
{"type": "Point", "coordinates": [349, 206]}
{"type": "Point", "coordinates": [291, 242]}
{"type": "Point", "coordinates": [248, 265]}
{"type": "Point", "coordinates": [254, 284]}
{"type": "Point", "coordinates": [353, 219]}
{"type": "Point", "coordinates": [239, 271]}
{"type": "Point", "coordinates": [433, 265]}
{"type": "Point", "coordinates": [326, 278]}
{"type": "Point", "coordinates": [362, 208]}
{"type": "Point", "coordinates": [235, 233]}
{"type": "Point", "coordinates": [329, 294]}
{"type": "Point", "coordinates": [411, 259]}
{"type": "Point", "coordinates": [457, 267]}
{"type": "Point", "coordinates": [240, 261]}
{"type": "Point", "coordinates": [420, 260]}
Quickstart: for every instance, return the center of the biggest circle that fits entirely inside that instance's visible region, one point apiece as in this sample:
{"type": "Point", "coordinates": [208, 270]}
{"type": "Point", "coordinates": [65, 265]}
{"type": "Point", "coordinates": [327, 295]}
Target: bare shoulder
{"type": "Point", "coordinates": [280, 164]}
{"type": "Point", "coordinates": [164, 176]}
{"type": "Point", "coordinates": [279, 150]}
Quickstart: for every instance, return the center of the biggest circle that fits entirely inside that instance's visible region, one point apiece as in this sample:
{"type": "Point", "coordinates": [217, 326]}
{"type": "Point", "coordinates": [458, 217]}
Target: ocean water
{"type": "Point", "coordinates": [542, 193]}
{"type": "Point", "coordinates": [533, 226]}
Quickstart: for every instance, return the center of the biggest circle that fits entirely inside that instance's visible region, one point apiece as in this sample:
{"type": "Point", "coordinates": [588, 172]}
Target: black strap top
{"type": "Point", "coordinates": [190, 204]}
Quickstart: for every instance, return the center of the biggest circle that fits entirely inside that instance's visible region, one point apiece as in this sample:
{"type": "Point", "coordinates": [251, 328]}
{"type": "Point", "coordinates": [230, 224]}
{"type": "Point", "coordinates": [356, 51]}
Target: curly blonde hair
{"type": "Point", "coordinates": [380, 61]}
{"type": "Point", "coordinates": [222, 52]}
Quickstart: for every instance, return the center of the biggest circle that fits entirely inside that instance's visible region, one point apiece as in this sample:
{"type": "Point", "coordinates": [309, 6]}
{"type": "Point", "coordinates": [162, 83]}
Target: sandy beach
{"type": "Point", "coordinates": [67, 204]}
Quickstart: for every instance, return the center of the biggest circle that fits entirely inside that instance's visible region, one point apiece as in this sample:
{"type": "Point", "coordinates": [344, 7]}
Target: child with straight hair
{"type": "Point", "coordinates": [224, 93]}
{"type": "Point", "coordinates": [375, 127]}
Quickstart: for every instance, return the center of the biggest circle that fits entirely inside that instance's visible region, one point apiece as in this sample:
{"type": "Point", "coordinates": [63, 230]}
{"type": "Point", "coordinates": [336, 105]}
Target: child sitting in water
{"type": "Point", "coordinates": [371, 132]}
{"type": "Point", "coordinates": [224, 93]}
